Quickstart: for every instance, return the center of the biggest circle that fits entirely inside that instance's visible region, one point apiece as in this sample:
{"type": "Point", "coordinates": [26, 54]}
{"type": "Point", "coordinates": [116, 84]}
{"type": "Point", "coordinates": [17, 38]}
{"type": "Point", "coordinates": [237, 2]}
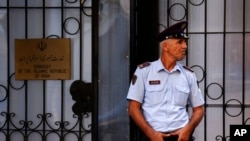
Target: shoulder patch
{"type": "Point", "coordinates": [133, 80]}
{"type": "Point", "coordinates": [187, 68]}
{"type": "Point", "coordinates": [144, 65]}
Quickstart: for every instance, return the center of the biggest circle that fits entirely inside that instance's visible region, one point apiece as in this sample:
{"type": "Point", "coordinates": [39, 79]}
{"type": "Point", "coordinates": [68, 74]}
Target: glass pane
{"type": "Point", "coordinates": [247, 15]}
{"type": "Point", "coordinates": [35, 102]}
{"type": "Point", "coordinates": [196, 49]}
{"type": "Point", "coordinates": [234, 18]}
{"type": "Point", "coordinates": [53, 17]}
{"type": "Point", "coordinates": [215, 12]}
{"type": "Point", "coordinates": [196, 18]}
{"type": "Point", "coordinates": [234, 66]}
{"type": "Point", "coordinates": [51, 3]}
{"type": "Point", "coordinates": [247, 68]}
{"type": "Point", "coordinates": [16, 3]}
{"type": "Point", "coordinates": [35, 3]}
{"type": "Point", "coordinates": [35, 23]}
{"type": "Point", "coordinates": [214, 123]}
{"type": "Point", "coordinates": [214, 68]}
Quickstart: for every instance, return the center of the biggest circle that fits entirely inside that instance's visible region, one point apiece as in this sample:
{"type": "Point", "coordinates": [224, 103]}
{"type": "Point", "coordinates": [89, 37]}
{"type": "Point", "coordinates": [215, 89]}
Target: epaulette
{"type": "Point", "coordinates": [187, 68]}
{"type": "Point", "coordinates": [144, 65]}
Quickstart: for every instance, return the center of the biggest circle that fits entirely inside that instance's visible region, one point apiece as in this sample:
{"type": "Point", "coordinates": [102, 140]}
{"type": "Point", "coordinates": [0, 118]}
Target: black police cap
{"type": "Point", "coordinates": [175, 31]}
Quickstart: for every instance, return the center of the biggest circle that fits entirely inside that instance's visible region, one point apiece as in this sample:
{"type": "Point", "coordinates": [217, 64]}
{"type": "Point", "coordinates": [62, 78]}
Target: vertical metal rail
{"type": "Point", "coordinates": [243, 64]}
{"type": "Point", "coordinates": [81, 35]}
{"type": "Point", "coordinates": [95, 64]}
{"type": "Point", "coordinates": [133, 131]}
{"type": "Point", "coordinates": [44, 92]}
{"type": "Point", "coordinates": [25, 81]}
{"type": "Point", "coordinates": [224, 64]}
{"type": "Point", "coordinates": [81, 66]}
{"type": "Point", "coordinates": [186, 11]}
{"type": "Point", "coordinates": [62, 127]}
{"type": "Point", "coordinates": [205, 68]}
{"type": "Point", "coordinates": [8, 74]}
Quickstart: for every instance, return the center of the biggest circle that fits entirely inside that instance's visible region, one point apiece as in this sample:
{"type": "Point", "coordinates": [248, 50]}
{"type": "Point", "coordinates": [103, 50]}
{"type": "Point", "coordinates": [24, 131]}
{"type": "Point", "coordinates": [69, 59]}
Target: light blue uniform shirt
{"type": "Point", "coordinates": [164, 95]}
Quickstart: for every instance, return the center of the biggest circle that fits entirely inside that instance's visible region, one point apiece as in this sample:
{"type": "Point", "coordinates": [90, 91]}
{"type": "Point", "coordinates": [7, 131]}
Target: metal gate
{"type": "Point", "coordinates": [218, 52]}
{"type": "Point", "coordinates": [42, 109]}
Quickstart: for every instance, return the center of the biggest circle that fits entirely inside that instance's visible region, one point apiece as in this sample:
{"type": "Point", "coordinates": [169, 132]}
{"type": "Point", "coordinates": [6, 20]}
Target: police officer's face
{"type": "Point", "coordinates": [176, 48]}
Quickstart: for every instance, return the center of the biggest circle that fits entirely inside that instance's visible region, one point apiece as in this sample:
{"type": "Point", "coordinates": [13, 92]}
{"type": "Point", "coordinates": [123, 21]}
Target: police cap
{"type": "Point", "coordinates": [175, 31]}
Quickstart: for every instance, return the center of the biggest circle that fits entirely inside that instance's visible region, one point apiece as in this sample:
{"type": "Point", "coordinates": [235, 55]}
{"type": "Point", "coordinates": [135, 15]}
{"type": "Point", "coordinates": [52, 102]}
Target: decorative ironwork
{"type": "Point", "coordinates": [65, 27]}
{"type": "Point", "coordinates": [196, 4]}
{"type": "Point", "coordinates": [240, 105]}
{"type": "Point", "coordinates": [42, 125]}
{"type": "Point", "coordinates": [221, 138]}
{"type": "Point", "coordinates": [214, 84]}
{"type": "Point", "coordinates": [11, 84]}
{"type": "Point", "coordinates": [202, 70]}
{"type": "Point", "coordinates": [171, 16]}
{"type": "Point", "coordinates": [3, 93]}
{"type": "Point", "coordinates": [86, 9]}
{"type": "Point", "coordinates": [62, 131]}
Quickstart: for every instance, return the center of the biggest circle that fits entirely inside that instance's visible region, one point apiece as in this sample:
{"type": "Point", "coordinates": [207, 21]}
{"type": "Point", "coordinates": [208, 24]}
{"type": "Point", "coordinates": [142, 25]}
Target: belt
{"type": "Point", "coordinates": [171, 138]}
{"type": "Point", "coordinates": [174, 137]}
{"type": "Point", "coordinates": [170, 131]}
{"type": "Point", "coordinates": [166, 132]}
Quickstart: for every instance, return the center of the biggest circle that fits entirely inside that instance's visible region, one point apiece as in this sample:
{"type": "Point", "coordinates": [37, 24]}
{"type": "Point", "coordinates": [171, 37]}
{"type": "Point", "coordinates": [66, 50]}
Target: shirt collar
{"type": "Point", "coordinates": [160, 66]}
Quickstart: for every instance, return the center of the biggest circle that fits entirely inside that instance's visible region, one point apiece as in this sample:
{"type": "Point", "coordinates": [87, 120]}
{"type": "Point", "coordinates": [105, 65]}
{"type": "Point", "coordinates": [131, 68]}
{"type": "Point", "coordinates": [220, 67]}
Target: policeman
{"type": "Point", "coordinates": [160, 91]}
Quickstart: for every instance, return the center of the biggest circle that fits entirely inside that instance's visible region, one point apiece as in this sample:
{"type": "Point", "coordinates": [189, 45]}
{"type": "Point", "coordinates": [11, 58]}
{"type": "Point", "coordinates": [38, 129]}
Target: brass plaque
{"type": "Point", "coordinates": [42, 59]}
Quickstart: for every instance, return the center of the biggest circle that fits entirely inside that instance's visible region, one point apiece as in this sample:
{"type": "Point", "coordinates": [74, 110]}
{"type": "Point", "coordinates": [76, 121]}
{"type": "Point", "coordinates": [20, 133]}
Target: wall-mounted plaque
{"type": "Point", "coordinates": [42, 59]}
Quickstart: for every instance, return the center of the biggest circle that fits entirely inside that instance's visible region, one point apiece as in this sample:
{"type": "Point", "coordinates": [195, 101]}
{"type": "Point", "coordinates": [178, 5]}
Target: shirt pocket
{"type": "Point", "coordinates": [181, 95]}
{"type": "Point", "coordinates": [154, 94]}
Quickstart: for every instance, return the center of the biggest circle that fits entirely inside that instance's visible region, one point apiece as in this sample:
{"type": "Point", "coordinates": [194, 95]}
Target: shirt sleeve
{"type": "Point", "coordinates": [196, 97]}
{"type": "Point", "coordinates": [137, 87]}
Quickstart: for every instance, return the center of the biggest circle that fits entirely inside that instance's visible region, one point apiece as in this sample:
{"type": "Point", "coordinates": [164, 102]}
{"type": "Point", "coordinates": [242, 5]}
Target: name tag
{"type": "Point", "coordinates": [154, 82]}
